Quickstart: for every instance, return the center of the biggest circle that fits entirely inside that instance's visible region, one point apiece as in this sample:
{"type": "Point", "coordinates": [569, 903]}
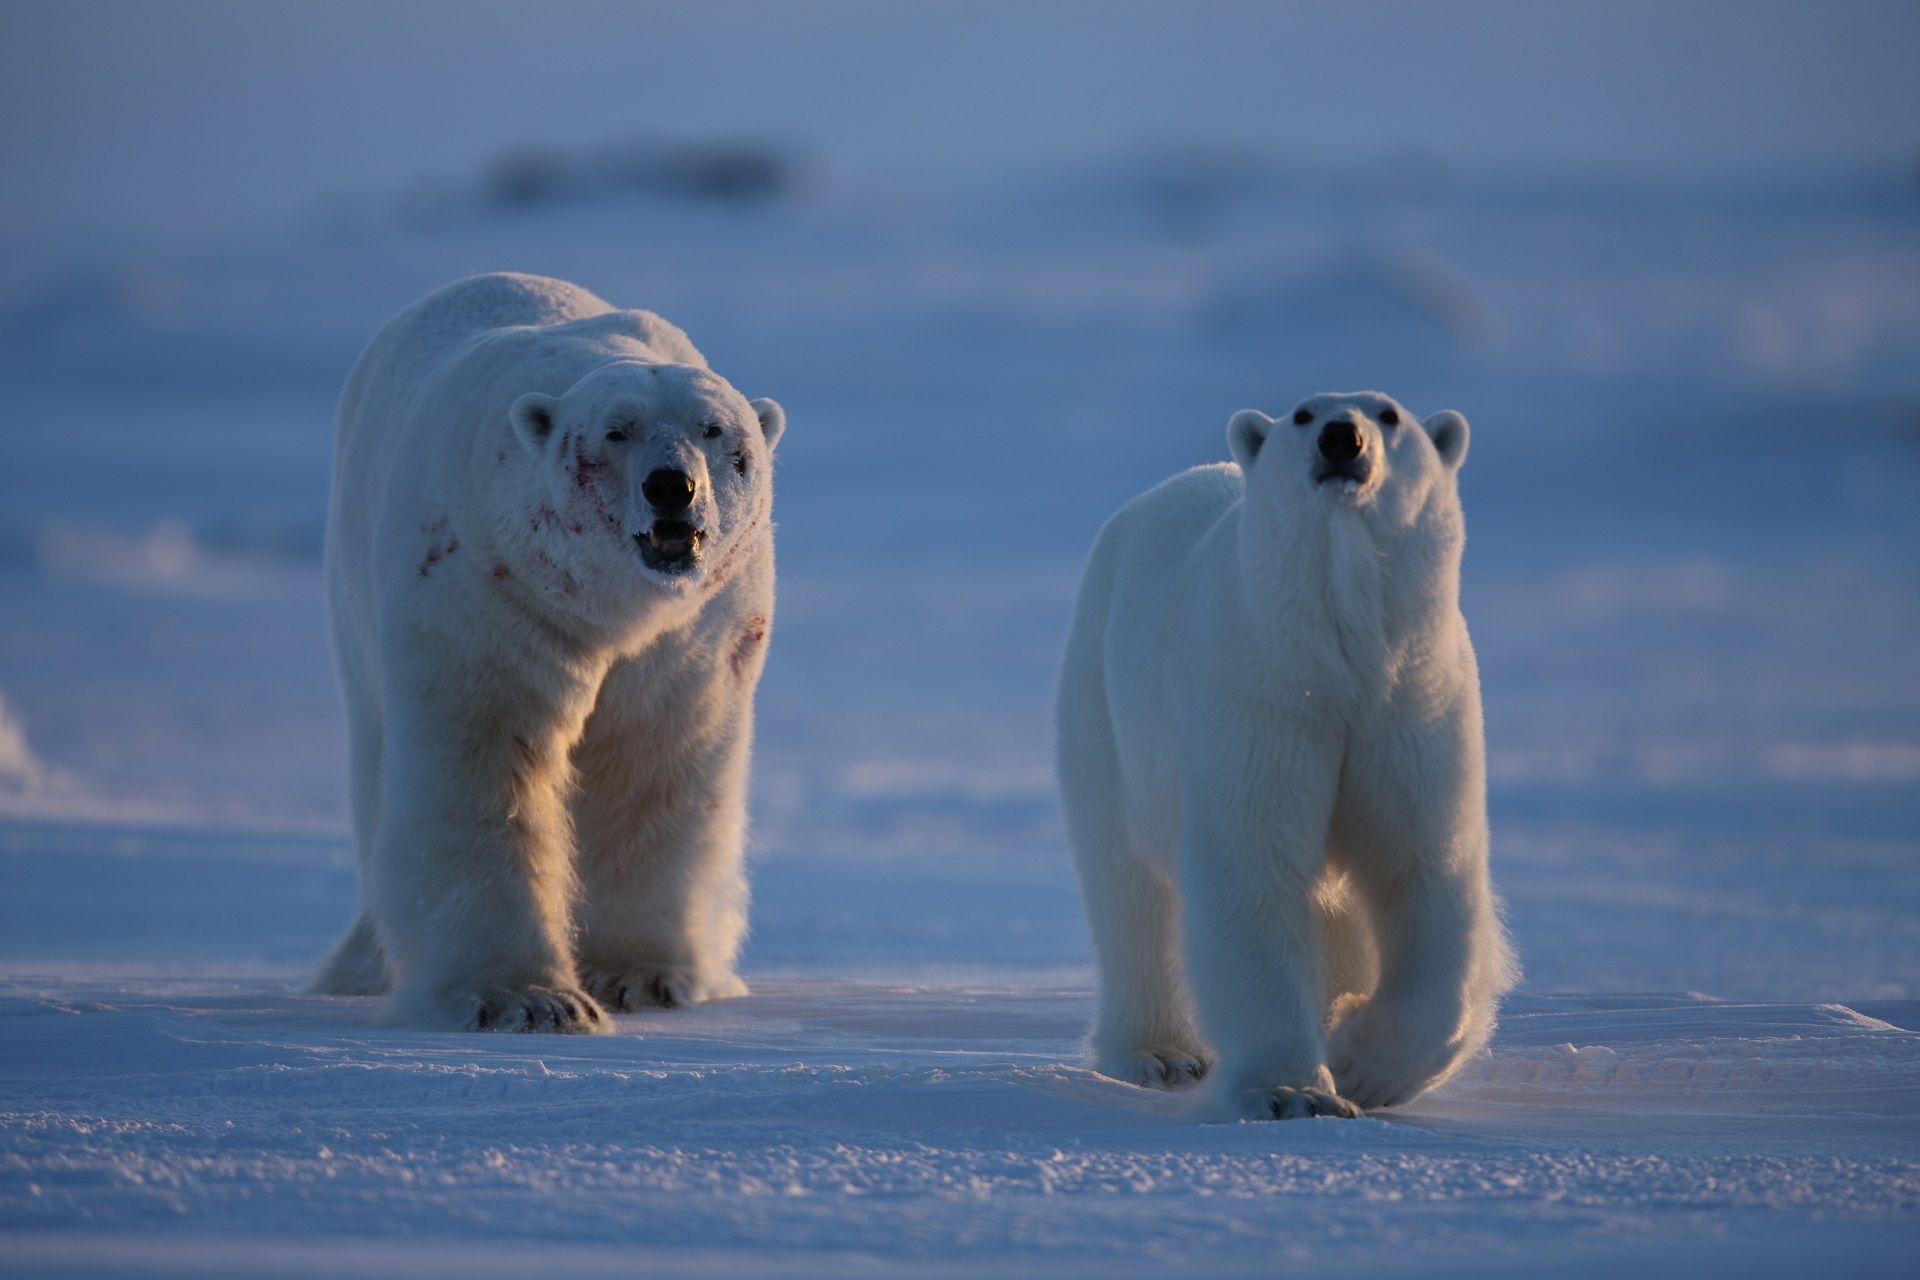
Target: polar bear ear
{"type": "Point", "coordinates": [773, 419]}
{"type": "Point", "coordinates": [1246, 432]}
{"type": "Point", "coordinates": [1448, 431]}
{"type": "Point", "coordinates": [532, 418]}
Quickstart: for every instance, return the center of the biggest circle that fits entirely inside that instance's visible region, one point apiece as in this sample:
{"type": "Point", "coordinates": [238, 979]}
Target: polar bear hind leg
{"type": "Point", "coordinates": [357, 965]}
{"type": "Point", "coordinates": [1143, 1032]}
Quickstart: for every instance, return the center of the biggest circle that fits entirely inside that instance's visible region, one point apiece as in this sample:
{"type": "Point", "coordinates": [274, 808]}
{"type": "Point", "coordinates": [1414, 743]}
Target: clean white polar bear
{"type": "Point", "coordinates": [1271, 758]}
{"type": "Point", "coordinates": [550, 574]}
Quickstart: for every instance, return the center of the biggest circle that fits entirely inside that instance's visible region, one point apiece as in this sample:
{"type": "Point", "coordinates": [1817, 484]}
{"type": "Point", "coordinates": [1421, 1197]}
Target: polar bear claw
{"type": "Point", "coordinates": [1298, 1104]}
{"type": "Point", "coordinates": [631, 990]}
{"type": "Point", "coordinates": [563, 1010]}
{"type": "Point", "coordinates": [1158, 1068]}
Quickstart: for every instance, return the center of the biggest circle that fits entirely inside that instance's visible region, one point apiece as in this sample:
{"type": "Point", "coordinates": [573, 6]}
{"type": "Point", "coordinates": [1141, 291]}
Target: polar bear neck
{"type": "Point", "coordinates": [1378, 595]}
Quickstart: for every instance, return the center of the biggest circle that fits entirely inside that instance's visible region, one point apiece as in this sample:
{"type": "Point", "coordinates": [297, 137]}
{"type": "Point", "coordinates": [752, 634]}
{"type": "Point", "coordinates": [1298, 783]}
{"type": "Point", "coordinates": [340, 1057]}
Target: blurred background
{"type": "Point", "coordinates": [1005, 265]}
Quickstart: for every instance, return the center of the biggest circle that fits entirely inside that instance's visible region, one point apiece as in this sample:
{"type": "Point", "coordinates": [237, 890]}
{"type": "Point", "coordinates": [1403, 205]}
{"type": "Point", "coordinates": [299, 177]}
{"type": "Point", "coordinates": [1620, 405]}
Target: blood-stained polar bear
{"type": "Point", "coordinates": [550, 575]}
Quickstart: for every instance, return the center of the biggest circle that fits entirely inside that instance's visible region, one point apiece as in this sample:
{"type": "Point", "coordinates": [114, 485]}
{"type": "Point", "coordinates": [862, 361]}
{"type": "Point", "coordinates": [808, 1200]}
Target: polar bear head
{"type": "Point", "coordinates": [661, 469]}
{"type": "Point", "coordinates": [1357, 450]}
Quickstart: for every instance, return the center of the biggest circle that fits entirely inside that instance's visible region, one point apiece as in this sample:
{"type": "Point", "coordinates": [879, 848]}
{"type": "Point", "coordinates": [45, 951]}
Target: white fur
{"type": "Point", "coordinates": [549, 738]}
{"type": "Point", "coordinates": [1271, 758]}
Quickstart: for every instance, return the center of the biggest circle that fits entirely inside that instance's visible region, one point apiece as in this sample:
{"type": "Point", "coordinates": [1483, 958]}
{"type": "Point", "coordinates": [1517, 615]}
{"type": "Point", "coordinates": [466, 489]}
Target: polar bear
{"type": "Point", "coordinates": [1271, 760]}
{"type": "Point", "coordinates": [550, 575]}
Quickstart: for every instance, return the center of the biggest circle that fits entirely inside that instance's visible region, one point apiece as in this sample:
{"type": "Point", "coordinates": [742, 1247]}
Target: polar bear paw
{"type": "Point", "coordinates": [1382, 1059]}
{"type": "Point", "coordinates": [1164, 1068]}
{"type": "Point", "coordinates": [1284, 1103]}
{"type": "Point", "coordinates": [657, 986]}
{"type": "Point", "coordinates": [1250, 1096]}
{"type": "Point", "coordinates": [556, 1010]}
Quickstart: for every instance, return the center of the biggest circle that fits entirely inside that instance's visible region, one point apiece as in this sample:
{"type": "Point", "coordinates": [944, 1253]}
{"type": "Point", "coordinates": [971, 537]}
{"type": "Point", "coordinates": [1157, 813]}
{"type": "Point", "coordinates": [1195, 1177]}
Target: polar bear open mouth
{"type": "Point", "coordinates": [671, 546]}
{"type": "Point", "coordinates": [1344, 478]}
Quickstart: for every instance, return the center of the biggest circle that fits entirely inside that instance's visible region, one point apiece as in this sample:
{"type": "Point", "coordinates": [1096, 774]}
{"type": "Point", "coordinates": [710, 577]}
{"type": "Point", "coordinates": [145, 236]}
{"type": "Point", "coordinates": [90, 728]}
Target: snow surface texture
{"type": "Point", "coordinates": [1689, 575]}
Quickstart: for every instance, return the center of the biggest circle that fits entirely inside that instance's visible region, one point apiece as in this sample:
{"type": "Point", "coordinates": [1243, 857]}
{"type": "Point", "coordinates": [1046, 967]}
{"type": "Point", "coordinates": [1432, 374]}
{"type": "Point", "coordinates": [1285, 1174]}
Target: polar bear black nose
{"type": "Point", "coordinates": [668, 489]}
{"type": "Point", "coordinates": [1341, 441]}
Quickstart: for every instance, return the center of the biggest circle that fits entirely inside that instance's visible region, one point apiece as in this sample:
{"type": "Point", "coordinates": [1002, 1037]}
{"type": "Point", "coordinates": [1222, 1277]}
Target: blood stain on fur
{"type": "Point", "coordinates": [752, 636]}
{"type": "Point", "coordinates": [586, 478]}
{"type": "Point", "coordinates": [444, 544]}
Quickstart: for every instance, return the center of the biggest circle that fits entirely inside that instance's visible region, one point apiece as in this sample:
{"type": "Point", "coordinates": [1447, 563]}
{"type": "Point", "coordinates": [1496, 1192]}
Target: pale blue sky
{"type": "Point", "coordinates": [117, 115]}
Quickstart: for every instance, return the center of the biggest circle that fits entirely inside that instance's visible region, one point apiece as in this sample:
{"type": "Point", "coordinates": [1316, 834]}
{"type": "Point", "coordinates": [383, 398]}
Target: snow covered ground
{"type": "Point", "coordinates": [1691, 577]}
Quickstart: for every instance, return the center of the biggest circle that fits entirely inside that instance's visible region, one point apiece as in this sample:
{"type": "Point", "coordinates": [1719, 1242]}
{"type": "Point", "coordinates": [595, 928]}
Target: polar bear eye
{"type": "Point", "coordinates": [1301, 417]}
{"type": "Point", "coordinates": [1390, 418]}
{"type": "Point", "coordinates": [711, 431]}
{"type": "Point", "coordinates": [616, 435]}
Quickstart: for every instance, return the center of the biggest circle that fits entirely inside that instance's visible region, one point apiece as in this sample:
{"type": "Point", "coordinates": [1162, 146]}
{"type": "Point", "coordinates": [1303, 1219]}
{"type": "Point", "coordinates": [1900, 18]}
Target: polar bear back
{"type": "Point", "coordinates": [1152, 566]}
{"type": "Point", "coordinates": [1164, 525]}
{"type": "Point", "coordinates": [509, 309]}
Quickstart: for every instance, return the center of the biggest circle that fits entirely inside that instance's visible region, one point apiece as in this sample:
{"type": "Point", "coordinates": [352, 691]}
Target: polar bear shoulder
{"type": "Point", "coordinates": [1164, 524]}
{"type": "Point", "coordinates": [505, 317]}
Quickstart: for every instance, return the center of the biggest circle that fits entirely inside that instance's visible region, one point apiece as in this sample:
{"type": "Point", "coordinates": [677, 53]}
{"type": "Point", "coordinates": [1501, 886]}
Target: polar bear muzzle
{"type": "Point", "coordinates": [1343, 454]}
{"type": "Point", "coordinates": [672, 545]}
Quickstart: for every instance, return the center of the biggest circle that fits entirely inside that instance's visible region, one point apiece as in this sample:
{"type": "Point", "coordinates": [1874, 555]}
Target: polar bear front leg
{"type": "Point", "coordinates": [472, 873]}
{"type": "Point", "coordinates": [1413, 836]}
{"type": "Point", "coordinates": [661, 823]}
{"type": "Point", "coordinates": [1252, 849]}
{"type": "Point", "coordinates": [1429, 1012]}
{"type": "Point", "coordinates": [664, 908]}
